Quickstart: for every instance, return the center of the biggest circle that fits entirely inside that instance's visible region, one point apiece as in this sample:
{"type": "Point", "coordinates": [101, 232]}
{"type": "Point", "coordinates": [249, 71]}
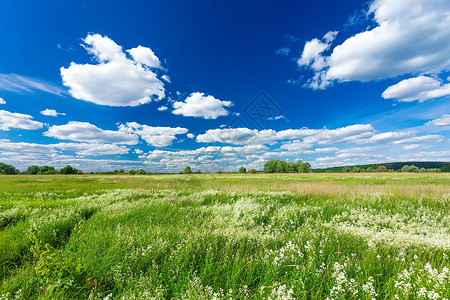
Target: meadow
{"type": "Point", "coordinates": [225, 236]}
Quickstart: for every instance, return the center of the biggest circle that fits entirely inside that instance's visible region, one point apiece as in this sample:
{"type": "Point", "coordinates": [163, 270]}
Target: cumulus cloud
{"type": "Point", "coordinates": [240, 136]}
{"type": "Point", "coordinates": [236, 136]}
{"type": "Point", "coordinates": [199, 105]}
{"type": "Point", "coordinates": [420, 89]}
{"type": "Point", "coordinates": [86, 132]}
{"type": "Point", "coordinates": [10, 120]}
{"type": "Point", "coordinates": [312, 52]}
{"type": "Point", "coordinates": [444, 120]}
{"type": "Point", "coordinates": [116, 80]}
{"type": "Point", "coordinates": [2, 101]}
{"type": "Point", "coordinates": [211, 158]}
{"type": "Point", "coordinates": [190, 135]}
{"type": "Point", "coordinates": [162, 108]}
{"type": "Point", "coordinates": [411, 37]}
{"type": "Point", "coordinates": [388, 137]}
{"type": "Point", "coordinates": [145, 56]}
{"type": "Point", "coordinates": [51, 113]}
{"type": "Point", "coordinates": [87, 149]}
{"type": "Point", "coordinates": [155, 136]}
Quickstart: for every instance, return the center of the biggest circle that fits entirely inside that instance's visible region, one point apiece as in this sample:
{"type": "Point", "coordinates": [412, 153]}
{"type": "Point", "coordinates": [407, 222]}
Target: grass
{"type": "Point", "coordinates": [306, 236]}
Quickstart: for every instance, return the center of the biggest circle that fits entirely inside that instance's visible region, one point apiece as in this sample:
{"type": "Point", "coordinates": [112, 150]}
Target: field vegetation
{"type": "Point", "coordinates": [225, 236]}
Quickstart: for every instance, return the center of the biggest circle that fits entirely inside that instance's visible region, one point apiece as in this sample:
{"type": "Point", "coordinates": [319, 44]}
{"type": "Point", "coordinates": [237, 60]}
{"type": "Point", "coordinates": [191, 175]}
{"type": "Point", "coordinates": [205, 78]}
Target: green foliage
{"type": "Point", "coordinates": [370, 170]}
{"type": "Point", "coordinates": [356, 170]}
{"type": "Point", "coordinates": [33, 170]}
{"type": "Point", "coordinates": [46, 170]}
{"type": "Point", "coordinates": [69, 170]}
{"type": "Point", "coordinates": [381, 169]}
{"type": "Point", "coordinates": [8, 169]}
{"type": "Point", "coordinates": [187, 170]}
{"type": "Point", "coordinates": [142, 172]}
{"type": "Point", "coordinates": [198, 172]}
{"type": "Point", "coordinates": [121, 171]}
{"type": "Point", "coordinates": [346, 169]}
{"type": "Point", "coordinates": [281, 166]}
{"type": "Point", "coordinates": [131, 172]}
{"type": "Point", "coordinates": [252, 171]}
{"type": "Point", "coordinates": [242, 170]}
{"type": "Point", "coordinates": [411, 168]}
{"type": "Point", "coordinates": [304, 167]}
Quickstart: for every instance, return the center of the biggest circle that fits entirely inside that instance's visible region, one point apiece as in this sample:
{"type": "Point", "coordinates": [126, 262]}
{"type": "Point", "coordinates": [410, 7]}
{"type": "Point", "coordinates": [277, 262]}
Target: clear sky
{"type": "Point", "coordinates": [103, 85]}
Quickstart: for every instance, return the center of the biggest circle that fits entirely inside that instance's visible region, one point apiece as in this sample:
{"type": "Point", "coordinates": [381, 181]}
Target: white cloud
{"type": "Point", "coordinates": [240, 136]}
{"type": "Point", "coordinates": [87, 149]}
{"type": "Point", "coordinates": [444, 120]}
{"type": "Point", "coordinates": [411, 37]}
{"type": "Point", "coordinates": [2, 101]}
{"type": "Point", "coordinates": [421, 139]}
{"type": "Point", "coordinates": [138, 151]}
{"type": "Point", "coordinates": [211, 158]}
{"type": "Point", "coordinates": [283, 51]}
{"type": "Point", "coordinates": [199, 105]}
{"type": "Point", "coordinates": [312, 52]}
{"type": "Point", "coordinates": [23, 155]}
{"type": "Point", "coordinates": [190, 135]}
{"type": "Point", "coordinates": [116, 80]}
{"type": "Point", "coordinates": [413, 146]}
{"type": "Point", "coordinates": [236, 136]}
{"type": "Point", "coordinates": [86, 132]}
{"type": "Point", "coordinates": [10, 120]}
{"type": "Point", "coordinates": [23, 84]}
{"type": "Point", "coordinates": [443, 155]}
{"type": "Point", "coordinates": [145, 56]}
{"type": "Point", "coordinates": [420, 89]}
{"type": "Point", "coordinates": [166, 78]}
{"type": "Point", "coordinates": [155, 136]}
{"type": "Point", "coordinates": [162, 108]}
{"type": "Point", "coordinates": [51, 113]}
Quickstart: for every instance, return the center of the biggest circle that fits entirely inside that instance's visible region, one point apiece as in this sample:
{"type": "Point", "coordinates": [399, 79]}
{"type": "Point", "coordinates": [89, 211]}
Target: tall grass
{"type": "Point", "coordinates": [227, 243]}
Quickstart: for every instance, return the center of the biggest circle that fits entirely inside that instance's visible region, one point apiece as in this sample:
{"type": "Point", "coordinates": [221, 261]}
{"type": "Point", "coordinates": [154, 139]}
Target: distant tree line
{"type": "Point", "coordinates": [380, 169]}
{"type": "Point", "coordinates": [6, 169]}
{"type": "Point", "coordinates": [282, 166]}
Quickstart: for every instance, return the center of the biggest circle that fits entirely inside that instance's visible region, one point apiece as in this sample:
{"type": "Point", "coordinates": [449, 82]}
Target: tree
{"type": "Point", "coordinates": [131, 172]}
{"type": "Point", "coordinates": [198, 172]}
{"type": "Point", "coordinates": [411, 168]}
{"type": "Point", "coordinates": [187, 170]}
{"type": "Point", "coordinates": [252, 171]}
{"type": "Point", "coordinates": [370, 170]}
{"type": "Point", "coordinates": [68, 170]}
{"type": "Point", "coordinates": [121, 171]}
{"type": "Point", "coordinates": [356, 169]}
{"type": "Point", "coordinates": [242, 170]}
{"type": "Point", "coordinates": [346, 169]}
{"type": "Point", "coordinates": [279, 166]}
{"type": "Point", "coordinates": [33, 170]}
{"type": "Point", "coordinates": [269, 166]}
{"type": "Point", "coordinates": [46, 170]}
{"type": "Point", "coordinates": [8, 169]}
{"type": "Point", "coordinates": [304, 168]}
{"type": "Point", "coordinates": [381, 169]}
{"type": "Point", "coordinates": [142, 171]}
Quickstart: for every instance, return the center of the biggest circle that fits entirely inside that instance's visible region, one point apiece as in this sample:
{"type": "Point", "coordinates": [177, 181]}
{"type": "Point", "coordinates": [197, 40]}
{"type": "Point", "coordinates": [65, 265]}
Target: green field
{"type": "Point", "coordinates": [225, 236]}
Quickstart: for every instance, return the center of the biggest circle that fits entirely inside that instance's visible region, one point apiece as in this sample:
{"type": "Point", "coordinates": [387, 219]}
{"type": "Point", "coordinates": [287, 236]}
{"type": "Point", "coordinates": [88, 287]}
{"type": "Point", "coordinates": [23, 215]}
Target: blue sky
{"type": "Point", "coordinates": [220, 84]}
